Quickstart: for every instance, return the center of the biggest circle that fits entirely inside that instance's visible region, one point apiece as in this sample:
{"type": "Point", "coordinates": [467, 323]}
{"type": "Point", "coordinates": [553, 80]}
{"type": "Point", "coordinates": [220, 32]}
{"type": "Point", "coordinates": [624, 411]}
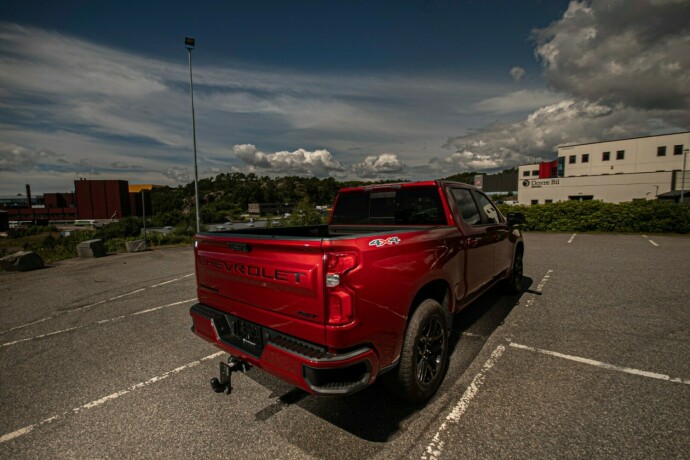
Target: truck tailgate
{"type": "Point", "coordinates": [284, 276]}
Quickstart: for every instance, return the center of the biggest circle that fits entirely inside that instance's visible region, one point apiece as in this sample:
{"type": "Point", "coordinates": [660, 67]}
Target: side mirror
{"type": "Point", "coordinates": [516, 218]}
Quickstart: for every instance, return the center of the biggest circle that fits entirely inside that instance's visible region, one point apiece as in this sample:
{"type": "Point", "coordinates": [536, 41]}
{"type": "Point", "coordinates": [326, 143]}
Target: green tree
{"type": "Point", "coordinates": [305, 213]}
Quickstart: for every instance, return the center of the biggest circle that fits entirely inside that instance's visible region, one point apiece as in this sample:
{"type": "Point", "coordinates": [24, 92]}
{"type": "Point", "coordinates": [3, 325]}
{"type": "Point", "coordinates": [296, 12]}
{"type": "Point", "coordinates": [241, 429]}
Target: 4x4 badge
{"type": "Point", "coordinates": [384, 242]}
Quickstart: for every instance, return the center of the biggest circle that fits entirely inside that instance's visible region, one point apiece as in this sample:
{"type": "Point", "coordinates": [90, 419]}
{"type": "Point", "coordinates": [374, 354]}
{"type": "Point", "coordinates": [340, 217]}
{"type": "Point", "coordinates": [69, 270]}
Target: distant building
{"type": "Point", "coordinates": [137, 193]}
{"type": "Point", "coordinates": [497, 183]}
{"type": "Point", "coordinates": [266, 209]}
{"type": "Point", "coordinates": [91, 199]}
{"type": "Point", "coordinates": [612, 171]}
{"type": "Point", "coordinates": [19, 201]}
{"type": "Point", "coordinates": [4, 221]}
{"type": "Point", "coordinates": [102, 199]}
{"type": "Point", "coordinates": [136, 188]}
{"type": "Point", "coordinates": [59, 200]}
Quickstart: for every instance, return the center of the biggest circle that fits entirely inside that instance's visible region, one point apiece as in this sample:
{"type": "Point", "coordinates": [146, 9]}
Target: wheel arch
{"type": "Point", "coordinates": [438, 290]}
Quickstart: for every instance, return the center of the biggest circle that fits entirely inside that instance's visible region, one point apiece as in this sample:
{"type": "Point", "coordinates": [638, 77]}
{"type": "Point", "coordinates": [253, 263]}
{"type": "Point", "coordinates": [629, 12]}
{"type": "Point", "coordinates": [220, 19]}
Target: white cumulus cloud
{"type": "Point", "coordinates": [319, 163]}
{"type": "Point", "coordinates": [375, 166]}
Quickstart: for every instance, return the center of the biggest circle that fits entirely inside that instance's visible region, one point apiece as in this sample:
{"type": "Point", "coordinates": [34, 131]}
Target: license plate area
{"type": "Point", "coordinates": [241, 334]}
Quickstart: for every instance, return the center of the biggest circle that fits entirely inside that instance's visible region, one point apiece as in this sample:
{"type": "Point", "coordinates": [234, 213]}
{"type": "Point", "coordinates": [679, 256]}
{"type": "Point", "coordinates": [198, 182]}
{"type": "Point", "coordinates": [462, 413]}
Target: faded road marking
{"type": "Point", "coordinates": [90, 405]}
{"type": "Point", "coordinates": [593, 362]}
{"type": "Point", "coordinates": [651, 241]}
{"type": "Point", "coordinates": [572, 238]}
{"type": "Point", "coordinates": [101, 302]}
{"type": "Point", "coordinates": [435, 447]}
{"type": "Point", "coordinates": [103, 321]}
{"type": "Point", "coordinates": [171, 281]}
{"type": "Point", "coordinates": [539, 289]}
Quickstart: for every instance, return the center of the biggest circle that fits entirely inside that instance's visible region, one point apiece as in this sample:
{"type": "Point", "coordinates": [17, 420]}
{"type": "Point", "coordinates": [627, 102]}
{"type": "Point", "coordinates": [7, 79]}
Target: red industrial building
{"type": "Point", "coordinates": [91, 200]}
{"type": "Point", "coordinates": [102, 199]}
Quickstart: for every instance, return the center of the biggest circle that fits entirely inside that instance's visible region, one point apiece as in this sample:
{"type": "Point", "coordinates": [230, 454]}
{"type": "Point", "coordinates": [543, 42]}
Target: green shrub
{"type": "Point", "coordinates": [596, 216]}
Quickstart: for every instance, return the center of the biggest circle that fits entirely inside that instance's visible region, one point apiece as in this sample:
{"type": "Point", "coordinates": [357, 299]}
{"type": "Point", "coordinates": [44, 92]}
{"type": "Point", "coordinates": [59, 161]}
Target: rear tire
{"type": "Point", "coordinates": [424, 355]}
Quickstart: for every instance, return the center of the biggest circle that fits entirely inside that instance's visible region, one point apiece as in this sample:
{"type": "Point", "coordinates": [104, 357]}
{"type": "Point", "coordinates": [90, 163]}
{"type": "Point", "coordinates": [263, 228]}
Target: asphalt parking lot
{"type": "Point", "coordinates": [592, 361]}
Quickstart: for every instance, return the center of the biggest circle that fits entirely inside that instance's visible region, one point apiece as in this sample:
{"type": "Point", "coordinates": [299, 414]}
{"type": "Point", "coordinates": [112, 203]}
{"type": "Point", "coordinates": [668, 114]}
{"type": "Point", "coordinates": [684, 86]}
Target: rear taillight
{"type": "Point", "coordinates": [340, 298]}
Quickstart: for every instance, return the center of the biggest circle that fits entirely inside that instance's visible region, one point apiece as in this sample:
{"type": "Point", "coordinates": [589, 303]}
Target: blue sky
{"type": "Point", "coordinates": [349, 89]}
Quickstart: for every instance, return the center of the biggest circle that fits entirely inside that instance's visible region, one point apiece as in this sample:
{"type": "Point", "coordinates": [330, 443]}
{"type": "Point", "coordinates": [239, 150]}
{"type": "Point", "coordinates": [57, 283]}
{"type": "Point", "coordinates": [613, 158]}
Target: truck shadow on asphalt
{"type": "Point", "coordinates": [373, 415]}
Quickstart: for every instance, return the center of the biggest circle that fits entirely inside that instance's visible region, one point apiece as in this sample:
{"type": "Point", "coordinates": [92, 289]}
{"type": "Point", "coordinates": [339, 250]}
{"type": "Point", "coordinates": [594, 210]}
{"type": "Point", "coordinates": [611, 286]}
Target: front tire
{"type": "Point", "coordinates": [424, 355]}
{"type": "Point", "coordinates": [513, 284]}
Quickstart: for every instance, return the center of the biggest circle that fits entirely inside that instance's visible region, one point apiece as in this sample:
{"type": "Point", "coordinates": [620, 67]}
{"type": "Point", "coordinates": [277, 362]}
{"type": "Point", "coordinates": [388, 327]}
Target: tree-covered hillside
{"type": "Point", "coordinates": [228, 195]}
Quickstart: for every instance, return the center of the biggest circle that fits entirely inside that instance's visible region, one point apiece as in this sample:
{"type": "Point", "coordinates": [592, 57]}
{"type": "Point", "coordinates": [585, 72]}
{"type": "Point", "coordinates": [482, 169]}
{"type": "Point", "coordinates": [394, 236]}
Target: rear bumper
{"type": "Point", "coordinates": [302, 364]}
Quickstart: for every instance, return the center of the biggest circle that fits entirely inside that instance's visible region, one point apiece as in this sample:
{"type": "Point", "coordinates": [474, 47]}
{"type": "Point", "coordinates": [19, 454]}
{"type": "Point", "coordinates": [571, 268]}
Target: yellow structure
{"type": "Point", "coordinates": [136, 188]}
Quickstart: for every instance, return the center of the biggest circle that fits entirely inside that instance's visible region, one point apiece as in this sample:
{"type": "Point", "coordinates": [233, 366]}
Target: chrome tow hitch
{"type": "Point", "coordinates": [223, 384]}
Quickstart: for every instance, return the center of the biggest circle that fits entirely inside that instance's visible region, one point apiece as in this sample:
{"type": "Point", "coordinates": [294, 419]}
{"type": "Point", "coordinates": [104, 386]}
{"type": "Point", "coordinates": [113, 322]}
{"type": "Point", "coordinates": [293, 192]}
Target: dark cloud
{"type": "Point", "coordinates": [518, 73]}
{"type": "Point", "coordinates": [622, 70]}
{"type": "Point", "coordinates": [621, 52]}
{"type": "Point", "coordinates": [178, 175]}
{"type": "Point", "coordinates": [14, 158]}
{"type": "Point", "coordinates": [17, 158]}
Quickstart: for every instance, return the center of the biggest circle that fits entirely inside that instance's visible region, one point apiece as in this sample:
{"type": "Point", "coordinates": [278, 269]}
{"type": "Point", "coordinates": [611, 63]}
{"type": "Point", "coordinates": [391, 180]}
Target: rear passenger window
{"type": "Point", "coordinates": [491, 214]}
{"type": "Point", "coordinates": [467, 206]}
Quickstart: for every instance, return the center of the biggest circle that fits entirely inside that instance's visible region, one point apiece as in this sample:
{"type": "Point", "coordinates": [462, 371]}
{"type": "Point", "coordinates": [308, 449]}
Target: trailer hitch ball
{"type": "Point", "coordinates": [222, 384]}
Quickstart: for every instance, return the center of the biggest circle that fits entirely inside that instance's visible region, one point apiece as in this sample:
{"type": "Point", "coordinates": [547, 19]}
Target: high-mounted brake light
{"type": "Point", "coordinates": [340, 298]}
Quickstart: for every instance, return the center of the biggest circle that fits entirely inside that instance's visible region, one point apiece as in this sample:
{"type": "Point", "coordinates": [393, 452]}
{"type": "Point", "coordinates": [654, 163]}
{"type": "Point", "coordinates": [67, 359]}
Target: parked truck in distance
{"type": "Point", "coordinates": [332, 308]}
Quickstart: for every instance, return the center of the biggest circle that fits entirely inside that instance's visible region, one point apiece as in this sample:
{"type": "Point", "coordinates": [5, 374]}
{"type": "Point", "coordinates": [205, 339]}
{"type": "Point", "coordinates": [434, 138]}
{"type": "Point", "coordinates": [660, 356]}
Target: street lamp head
{"type": "Point", "coordinates": [189, 43]}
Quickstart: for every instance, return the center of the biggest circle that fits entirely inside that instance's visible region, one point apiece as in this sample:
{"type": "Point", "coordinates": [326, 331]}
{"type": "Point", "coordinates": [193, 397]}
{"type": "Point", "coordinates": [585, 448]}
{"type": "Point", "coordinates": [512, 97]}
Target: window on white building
{"type": "Point", "coordinates": [606, 156]}
{"type": "Point", "coordinates": [661, 151]}
{"type": "Point", "coordinates": [585, 157]}
{"type": "Point", "coordinates": [572, 159]}
{"type": "Point", "coordinates": [678, 149]}
{"type": "Point", "coordinates": [620, 155]}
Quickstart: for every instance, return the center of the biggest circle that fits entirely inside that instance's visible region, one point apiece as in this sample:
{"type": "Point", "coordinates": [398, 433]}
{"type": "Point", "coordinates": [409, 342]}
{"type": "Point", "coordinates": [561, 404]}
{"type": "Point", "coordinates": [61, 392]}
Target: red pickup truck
{"type": "Point", "coordinates": [331, 308]}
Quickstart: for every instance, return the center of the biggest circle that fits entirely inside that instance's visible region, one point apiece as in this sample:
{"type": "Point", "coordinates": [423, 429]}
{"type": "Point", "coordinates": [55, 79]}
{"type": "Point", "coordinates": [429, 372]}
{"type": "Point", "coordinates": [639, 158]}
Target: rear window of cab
{"type": "Point", "coordinates": [404, 206]}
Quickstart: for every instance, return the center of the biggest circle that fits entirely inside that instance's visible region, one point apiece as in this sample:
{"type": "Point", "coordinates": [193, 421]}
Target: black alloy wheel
{"type": "Point", "coordinates": [431, 347]}
{"type": "Point", "coordinates": [424, 354]}
{"type": "Point", "coordinates": [513, 285]}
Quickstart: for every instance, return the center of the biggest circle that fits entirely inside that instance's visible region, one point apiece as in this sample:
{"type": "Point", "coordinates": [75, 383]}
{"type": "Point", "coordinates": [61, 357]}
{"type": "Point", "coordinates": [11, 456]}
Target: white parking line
{"type": "Point", "coordinates": [171, 281]}
{"type": "Point", "coordinates": [90, 405]}
{"type": "Point", "coordinates": [118, 297]}
{"type": "Point", "coordinates": [572, 238]}
{"type": "Point", "coordinates": [540, 288]}
{"type": "Point", "coordinates": [645, 237]}
{"type": "Point", "coordinates": [435, 447]}
{"type": "Point", "coordinates": [101, 302]}
{"type": "Point", "coordinates": [103, 321]}
{"type": "Point", "coordinates": [593, 362]}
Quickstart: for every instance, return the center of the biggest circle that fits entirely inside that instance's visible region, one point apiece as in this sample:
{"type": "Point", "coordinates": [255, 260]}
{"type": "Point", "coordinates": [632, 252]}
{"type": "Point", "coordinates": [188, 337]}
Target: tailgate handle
{"type": "Point", "coordinates": [242, 247]}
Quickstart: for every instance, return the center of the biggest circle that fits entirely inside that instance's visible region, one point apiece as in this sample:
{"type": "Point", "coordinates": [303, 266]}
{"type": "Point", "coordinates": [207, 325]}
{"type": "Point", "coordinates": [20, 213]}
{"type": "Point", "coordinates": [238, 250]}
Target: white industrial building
{"type": "Point", "coordinates": [613, 171]}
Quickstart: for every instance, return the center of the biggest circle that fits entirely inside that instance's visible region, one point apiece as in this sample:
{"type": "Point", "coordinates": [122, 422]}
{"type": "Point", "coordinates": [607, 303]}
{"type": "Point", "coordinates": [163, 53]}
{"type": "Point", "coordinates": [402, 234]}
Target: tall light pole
{"type": "Point", "coordinates": [143, 214]}
{"type": "Point", "coordinates": [189, 44]}
{"type": "Point", "coordinates": [682, 185]}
